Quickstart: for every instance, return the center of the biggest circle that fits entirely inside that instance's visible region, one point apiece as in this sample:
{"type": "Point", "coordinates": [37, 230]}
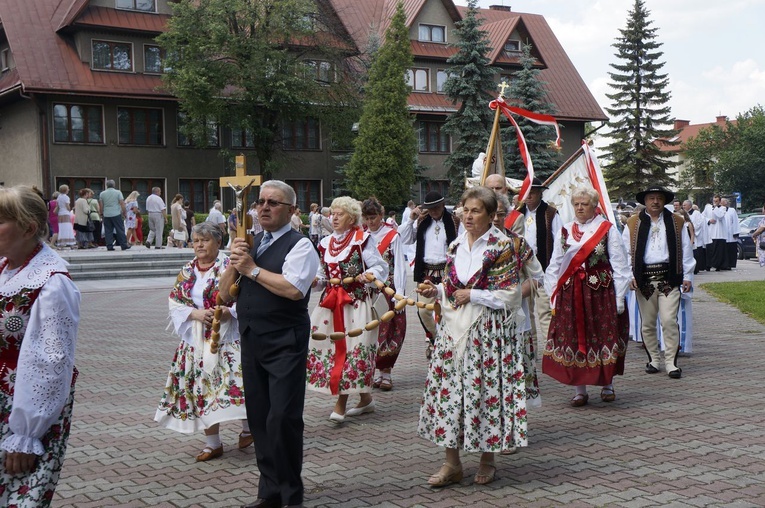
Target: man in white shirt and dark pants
{"type": "Point", "coordinates": [155, 207]}
{"type": "Point", "coordinates": [718, 232]}
{"type": "Point", "coordinates": [661, 255]}
{"type": "Point", "coordinates": [731, 233]}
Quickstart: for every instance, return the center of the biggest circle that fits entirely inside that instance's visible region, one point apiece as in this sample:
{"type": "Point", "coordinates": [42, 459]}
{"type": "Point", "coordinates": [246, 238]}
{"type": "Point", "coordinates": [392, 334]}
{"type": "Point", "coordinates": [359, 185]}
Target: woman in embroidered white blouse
{"type": "Point", "coordinates": [38, 332]}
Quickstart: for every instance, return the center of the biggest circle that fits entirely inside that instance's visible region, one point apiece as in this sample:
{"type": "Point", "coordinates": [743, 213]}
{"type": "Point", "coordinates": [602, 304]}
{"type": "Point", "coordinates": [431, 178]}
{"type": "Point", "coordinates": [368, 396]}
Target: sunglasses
{"type": "Point", "coordinates": [271, 203]}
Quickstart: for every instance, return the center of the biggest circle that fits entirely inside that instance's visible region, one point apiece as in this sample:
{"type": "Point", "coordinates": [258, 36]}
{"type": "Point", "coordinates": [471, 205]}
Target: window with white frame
{"type": "Point", "coordinates": [320, 71]}
{"type": "Point", "coordinates": [513, 47]}
{"type": "Point", "coordinates": [418, 79]}
{"type": "Point", "coordinates": [137, 5]}
{"type": "Point", "coordinates": [78, 123]}
{"type": "Point", "coordinates": [5, 59]}
{"type": "Point", "coordinates": [152, 59]}
{"type": "Point", "coordinates": [441, 77]}
{"type": "Point", "coordinates": [112, 56]}
{"type": "Point", "coordinates": [432, 33]}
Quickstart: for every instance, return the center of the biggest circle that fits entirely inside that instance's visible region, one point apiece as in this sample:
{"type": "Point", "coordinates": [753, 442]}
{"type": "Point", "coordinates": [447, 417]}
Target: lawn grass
{"type": "Point", "coordinates": [748, 297]}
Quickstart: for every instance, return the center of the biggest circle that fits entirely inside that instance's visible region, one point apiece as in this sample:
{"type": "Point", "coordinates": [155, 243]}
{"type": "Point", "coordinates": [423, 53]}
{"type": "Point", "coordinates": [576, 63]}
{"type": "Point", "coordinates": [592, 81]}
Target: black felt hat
{"type": "Point", "coordinates": [536, 183]}
{"type": "Point", "coordinates": [668, 194]}
{"type": "Point", "coordinates": [432, 200]}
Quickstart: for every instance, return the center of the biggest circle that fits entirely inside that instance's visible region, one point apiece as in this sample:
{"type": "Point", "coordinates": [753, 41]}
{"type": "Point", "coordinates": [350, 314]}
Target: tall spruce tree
{"type": "Point", "coordinates": [386, 148]}
{"type": "Point", "coordinates": [469, 78]}
{"type": "Point", "coordinates": [639, 111]}
{"type": "Point", "coordinates": [527, 91]}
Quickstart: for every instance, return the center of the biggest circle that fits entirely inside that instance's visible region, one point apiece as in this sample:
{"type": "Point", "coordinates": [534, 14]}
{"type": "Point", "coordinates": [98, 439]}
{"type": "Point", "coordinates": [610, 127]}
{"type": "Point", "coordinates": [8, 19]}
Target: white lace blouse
{"type": "Point", "coordinates": [46, 359]}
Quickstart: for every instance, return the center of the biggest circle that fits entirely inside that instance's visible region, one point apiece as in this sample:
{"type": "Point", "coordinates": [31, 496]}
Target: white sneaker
{"type": "Point", "coordinates": [356, 411]}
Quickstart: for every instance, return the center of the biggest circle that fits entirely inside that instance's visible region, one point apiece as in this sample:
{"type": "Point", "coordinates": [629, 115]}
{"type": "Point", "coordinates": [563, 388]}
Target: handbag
{"type": "Point", "coordinates": [90, 226]}
{"type": "Point", "coordinates": [762, 243]}
{"type": "Point", "coordinates": [179, 235]}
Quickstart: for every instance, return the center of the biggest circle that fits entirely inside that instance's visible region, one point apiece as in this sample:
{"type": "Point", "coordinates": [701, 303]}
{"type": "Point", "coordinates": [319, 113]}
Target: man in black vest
{"type": "Point", "coordinates": [659, 248]}
{"type": "Point", "coordinates": [542, 225]}
{"type": "Point", "coordinates": [432, 228]}
{"type": "Point", "coordinates": [274, 281]}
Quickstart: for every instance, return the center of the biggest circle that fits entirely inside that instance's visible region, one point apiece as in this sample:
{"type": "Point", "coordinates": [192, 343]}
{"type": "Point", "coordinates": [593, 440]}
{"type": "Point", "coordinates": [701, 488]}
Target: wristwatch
{"type": "Point", "coordinates": [255, 272]}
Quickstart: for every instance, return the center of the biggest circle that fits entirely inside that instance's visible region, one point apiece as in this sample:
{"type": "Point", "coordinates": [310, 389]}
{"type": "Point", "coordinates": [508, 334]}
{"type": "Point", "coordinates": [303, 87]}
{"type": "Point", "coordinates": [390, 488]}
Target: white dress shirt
{"type": "Point", "coordinates": [155, 203]}
{"type": "Point", "coordinates": [435, 239]}
{"type": "Point", "coordinates": [300, 264]}
{"type": "Point", "coordinates": [731, 225]}
{"type": "Point", "coordinates": [530, 229]}
{"type": "Point", "coordinates": [717, 229]}
{"type": "Point", "coordinates": [657, 251]}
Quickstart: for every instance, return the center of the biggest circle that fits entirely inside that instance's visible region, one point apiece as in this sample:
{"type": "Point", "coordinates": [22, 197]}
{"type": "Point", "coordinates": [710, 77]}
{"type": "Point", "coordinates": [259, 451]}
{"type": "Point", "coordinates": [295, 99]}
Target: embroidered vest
{"type": "Point", "coordinates": [640, 226]}
{"type": "Point", "coordinates": [419, 261]}
{"type": "Point", "coordinates": [15, 317]}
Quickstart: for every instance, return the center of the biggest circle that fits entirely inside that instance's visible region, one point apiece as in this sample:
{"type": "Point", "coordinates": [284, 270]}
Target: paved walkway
{"type": "Point", "coordinates": [698, 441]}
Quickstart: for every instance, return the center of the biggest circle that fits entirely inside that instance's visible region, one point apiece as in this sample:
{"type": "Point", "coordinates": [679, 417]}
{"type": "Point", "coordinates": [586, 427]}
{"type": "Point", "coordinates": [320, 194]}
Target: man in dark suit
{"type": "Point", "coordinates": [274, 279]}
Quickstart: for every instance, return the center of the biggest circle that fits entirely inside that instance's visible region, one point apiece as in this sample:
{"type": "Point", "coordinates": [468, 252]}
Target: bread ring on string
{"type": "Point", "coordinates": [234, 290]}
{"type": "Point", "coordinates": [349, 280]}
{"type": "Point", "coordinates": [335, 336]}
{"type": "Point", "coordinates": [430, 306]}
{"type": "Point", "coordinates": [216, 325]}
{"type": "Point", "coordinates": [369, 277]}
{"type": "Point", "coordinates": [390, 291]}
{"type": "Point", "coordinates": [387, 316]}
{"type": "Point", "coordinates": [319, 336]}
{"type": "Point", "coordinates": [372, 325]}
{"type": "Point", "coordinates": [410, 301]}
{"type": "Point", "coordinates": [218, 313]}
{"type": "Point", "coordinates": [355, 332]}
{"type": "Point", "coordinates": [400, 304]}
{"type": "Point", "coordinates": [422, 285]}
{"type": "Point", "coordinates": [420, 305]}
{"type": "Point", "coordinates": [335, 281]}
{"type": "Point", "coordinates": [380, 284]}
{"type": "Point", "coordinates": [398, 297]}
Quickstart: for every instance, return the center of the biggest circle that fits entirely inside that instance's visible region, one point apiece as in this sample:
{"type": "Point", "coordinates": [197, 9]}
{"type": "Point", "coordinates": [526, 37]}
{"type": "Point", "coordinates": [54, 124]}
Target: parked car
{"type": "Point", "coordinates": [747, 225]}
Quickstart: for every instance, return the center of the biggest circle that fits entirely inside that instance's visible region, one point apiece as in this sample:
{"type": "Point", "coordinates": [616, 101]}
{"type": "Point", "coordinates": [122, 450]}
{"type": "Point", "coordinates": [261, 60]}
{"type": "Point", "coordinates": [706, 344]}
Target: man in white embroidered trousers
{"type": "Point", "coordinates": [661, 255]}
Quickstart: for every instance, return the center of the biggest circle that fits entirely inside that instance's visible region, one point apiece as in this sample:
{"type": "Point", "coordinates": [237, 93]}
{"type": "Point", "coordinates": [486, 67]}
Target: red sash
{"type": "Point", "coordinates": [511, 218]}
{"type": "Point", "coordinates": [575, 268]}
{"type": "Point", "coordinates": [386, 241]}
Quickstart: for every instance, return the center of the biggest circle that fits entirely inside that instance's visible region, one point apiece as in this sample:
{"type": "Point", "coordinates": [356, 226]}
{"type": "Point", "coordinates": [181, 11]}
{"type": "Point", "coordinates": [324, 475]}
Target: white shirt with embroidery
{"type": "Point", "coordinates": [46, 359]}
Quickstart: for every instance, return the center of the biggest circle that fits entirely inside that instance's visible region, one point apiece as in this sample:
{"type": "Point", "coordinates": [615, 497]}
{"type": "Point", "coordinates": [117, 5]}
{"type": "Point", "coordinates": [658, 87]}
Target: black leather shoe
{"type": "Point", "coordinates": [676, 374]}
{"type": "Point", "coordinates": [264, 503]}
{"type": "Point", "coordinates": [650, 369]}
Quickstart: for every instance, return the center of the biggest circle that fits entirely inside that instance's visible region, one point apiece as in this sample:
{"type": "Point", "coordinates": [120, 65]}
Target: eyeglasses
{"type": "Point", "coordinates": [271, 203]}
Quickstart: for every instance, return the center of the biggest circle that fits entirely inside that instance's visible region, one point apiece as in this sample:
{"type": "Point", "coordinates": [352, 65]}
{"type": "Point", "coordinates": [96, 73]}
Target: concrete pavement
{"type": "Point", "coordinates": [698, 441]}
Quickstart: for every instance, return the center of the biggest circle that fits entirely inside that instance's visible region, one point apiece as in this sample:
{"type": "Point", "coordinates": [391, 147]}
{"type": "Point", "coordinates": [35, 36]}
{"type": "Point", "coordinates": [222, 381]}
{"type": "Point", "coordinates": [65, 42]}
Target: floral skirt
{"type": "Point", "coordinates": [357, 369]}
{"type": "Point", "coordinates": [193, 399]}
{"type": "Point", "coordinates": [606, 334]}
{"type": "Point", "coordinates": [478, 402]}
{"type": "Point", "coordinates": [36, 488]}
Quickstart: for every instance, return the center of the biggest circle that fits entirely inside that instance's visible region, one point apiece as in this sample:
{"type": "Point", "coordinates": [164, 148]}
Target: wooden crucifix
{"type": "Point", "coordinates": [242, 183]}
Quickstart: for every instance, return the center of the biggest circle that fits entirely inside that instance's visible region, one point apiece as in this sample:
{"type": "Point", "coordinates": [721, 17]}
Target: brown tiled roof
{"type": "Point", "coordinates": [687, 131]}
{"type": "Point", "coordinates": [48, 62]}
{"type": "Point", "coordinates": [432, 50]}
{"type": "Point", "coordinates": [102, 17]}
{"type": "Point", "coordinates": [430, 103]}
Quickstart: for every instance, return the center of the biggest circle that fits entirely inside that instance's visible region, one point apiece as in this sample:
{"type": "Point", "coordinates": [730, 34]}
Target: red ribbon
{"type": "Point", "coordinates": [579, 309]}
{"type": "Point", "coordinates": [335, 299]}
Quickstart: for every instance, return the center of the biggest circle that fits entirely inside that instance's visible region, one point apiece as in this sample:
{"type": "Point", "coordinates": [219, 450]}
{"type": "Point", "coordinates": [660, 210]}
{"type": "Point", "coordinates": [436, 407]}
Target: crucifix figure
{"type": "Point", "coordinates": [502, 87]}
{"type": "Point", "coordinates": [241, 183]}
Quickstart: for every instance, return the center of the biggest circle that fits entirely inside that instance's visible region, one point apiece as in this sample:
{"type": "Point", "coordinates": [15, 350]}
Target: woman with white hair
{"type": "Point", "coordinates": [587, 278]}
{"type": "Point", "coordinates": [345, 366]}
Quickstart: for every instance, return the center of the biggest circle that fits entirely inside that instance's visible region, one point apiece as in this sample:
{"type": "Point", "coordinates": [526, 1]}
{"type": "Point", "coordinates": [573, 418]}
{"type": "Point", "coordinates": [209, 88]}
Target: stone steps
{"type": "Point", "coordinates": [138, 262]}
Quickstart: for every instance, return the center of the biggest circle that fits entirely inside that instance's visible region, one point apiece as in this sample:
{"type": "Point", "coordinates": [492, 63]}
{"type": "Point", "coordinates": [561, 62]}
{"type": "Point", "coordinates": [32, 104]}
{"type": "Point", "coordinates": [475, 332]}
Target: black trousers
{"type": "Point", "coordinates": [274, 369]}
{"type": "Point", "coordinates": [732, 251]}
{"type": "Point", "coordinates": [700, 254]}
{"type": "Point", "coordinates": [717, 254]}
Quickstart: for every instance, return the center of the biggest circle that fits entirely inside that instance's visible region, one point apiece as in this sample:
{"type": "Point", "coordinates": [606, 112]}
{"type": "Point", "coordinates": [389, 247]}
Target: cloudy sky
{"type": "Point", "coordinates": [714, 51]}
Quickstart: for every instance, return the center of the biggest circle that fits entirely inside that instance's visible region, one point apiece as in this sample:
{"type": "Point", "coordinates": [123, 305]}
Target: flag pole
{"type": "Point", "coordinates": [493, 136]}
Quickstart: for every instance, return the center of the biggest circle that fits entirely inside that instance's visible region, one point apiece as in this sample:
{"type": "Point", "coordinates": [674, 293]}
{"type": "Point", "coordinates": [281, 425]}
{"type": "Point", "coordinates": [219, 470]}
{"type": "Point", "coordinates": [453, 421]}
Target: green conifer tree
{"type": "Point", "coordinates": [527, 91]}
{"type": "Point", "coordinates": [386, 148]}
{"type": "Point", "coordinates": [469, 78]}
{"type": "Point", "coordinates": [639, 111]}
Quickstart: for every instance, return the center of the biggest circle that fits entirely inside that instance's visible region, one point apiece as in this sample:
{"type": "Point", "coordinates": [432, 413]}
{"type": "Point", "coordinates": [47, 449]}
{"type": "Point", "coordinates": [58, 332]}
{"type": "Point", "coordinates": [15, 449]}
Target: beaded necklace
{"type": "Point", "coordinates": [335, 247]}
{"type": "Point", "coordinates": [576, 232]}
{"type": "Point", "coordinates": [199, 267]}
{"type": "Point", "coordinates": [31, 256]}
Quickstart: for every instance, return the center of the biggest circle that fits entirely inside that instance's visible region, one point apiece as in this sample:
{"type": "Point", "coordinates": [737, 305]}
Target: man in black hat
{"type": "Point", "coordinates": [661, 255]}
{"type": "Point", "coordinates": [432, 228]}
{"type": "Point", "coordinates": [541, 224]}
